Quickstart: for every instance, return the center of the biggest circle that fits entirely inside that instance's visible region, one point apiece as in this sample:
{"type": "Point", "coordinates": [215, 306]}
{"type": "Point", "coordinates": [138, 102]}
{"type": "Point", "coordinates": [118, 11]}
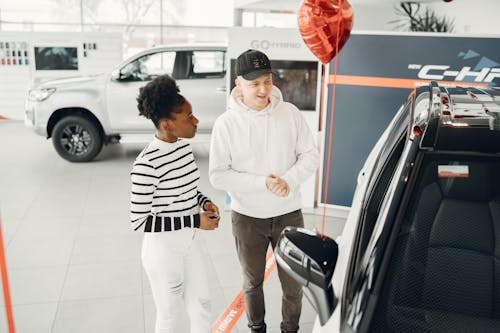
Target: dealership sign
{"type": "Point", "coordinates": [376, 72]}
{"type": "Point", "coordinates": [442, 72]}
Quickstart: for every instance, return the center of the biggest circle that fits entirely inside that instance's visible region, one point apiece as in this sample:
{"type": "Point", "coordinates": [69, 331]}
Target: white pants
{"type": "Point", "coordinates": [175, 266]}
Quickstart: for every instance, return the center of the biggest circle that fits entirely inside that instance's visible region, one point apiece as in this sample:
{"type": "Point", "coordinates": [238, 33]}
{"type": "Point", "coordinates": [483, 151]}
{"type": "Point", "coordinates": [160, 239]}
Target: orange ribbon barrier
{"type": "Point", "coordinates": [385, 82]}
{"type": "Point", "coordinates": [5, 284]}
{"type": "Point", "coordinates": [230, 316]}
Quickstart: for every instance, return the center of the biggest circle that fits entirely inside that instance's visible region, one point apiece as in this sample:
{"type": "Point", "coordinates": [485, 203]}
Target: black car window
{"type": "Point", "coordinates": [374, 204]}
{"type": "Point", "coordinates": [183, 65]}
{"type": "Point", "coordinates": [444, 272]}
{"type": "Point", "coordinates": [377, 189]}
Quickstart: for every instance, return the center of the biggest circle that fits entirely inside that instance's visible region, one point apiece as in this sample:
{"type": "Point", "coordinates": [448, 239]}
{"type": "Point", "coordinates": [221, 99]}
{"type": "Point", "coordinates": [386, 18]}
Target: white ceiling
{"type": "Point", "coordinates": [292, 5]}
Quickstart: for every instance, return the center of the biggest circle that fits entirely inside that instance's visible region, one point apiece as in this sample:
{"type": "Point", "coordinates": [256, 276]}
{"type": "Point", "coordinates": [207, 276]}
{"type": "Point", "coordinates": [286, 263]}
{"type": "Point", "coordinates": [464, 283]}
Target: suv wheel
{"type": "Point", "coordinates": [77, 139]}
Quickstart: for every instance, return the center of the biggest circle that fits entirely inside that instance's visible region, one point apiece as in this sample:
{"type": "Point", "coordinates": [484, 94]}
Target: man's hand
{"type": "Point", "coordinates": [208, 221]}
{"type": "Point", "coordinates": [277, 185]}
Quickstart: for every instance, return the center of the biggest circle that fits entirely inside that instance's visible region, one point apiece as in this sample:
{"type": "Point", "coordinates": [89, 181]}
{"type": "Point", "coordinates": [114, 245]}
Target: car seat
{"type": "Point", "coordinates": [445, 271]}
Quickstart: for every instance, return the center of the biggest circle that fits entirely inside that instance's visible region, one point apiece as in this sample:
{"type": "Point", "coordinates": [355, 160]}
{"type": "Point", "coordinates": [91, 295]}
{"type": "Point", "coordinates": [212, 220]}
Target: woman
{"type": "Point", "coordinates": [166, 205]}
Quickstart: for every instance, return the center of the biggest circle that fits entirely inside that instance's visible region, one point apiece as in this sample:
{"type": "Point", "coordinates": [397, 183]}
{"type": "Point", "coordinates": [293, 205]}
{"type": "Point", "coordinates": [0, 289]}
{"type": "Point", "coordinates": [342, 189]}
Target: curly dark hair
{"type": "Point", "coordinates": [159, 99]}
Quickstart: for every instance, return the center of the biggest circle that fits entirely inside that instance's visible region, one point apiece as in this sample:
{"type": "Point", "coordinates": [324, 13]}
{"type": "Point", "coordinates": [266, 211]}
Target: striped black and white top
{"type": "Point", "coordinates": [165, 195]}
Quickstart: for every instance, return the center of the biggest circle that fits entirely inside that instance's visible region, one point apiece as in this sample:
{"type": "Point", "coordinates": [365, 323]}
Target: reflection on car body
{"type": "Point", "coordinates": [418, 251]}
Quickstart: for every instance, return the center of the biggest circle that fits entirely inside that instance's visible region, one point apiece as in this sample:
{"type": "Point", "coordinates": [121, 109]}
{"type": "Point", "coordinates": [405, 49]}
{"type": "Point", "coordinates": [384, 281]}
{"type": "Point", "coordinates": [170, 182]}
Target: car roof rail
{"type": "Point", "coordinates": [430, 134]}
{"type": "Point", "coordinates": [461, 118]}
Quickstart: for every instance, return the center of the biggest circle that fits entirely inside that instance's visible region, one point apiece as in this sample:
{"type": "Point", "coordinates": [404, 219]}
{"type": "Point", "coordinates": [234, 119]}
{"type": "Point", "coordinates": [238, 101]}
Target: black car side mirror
{"type": "Point", "coordinates": [125, 76]}
{"type": "Point", "coordinates": [118, 75]}
{"type": "Point", "coordinates": [310, 259]}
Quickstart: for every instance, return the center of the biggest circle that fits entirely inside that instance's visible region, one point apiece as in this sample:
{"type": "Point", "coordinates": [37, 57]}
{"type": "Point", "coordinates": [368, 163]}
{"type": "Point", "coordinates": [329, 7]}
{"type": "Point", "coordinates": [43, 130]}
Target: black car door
{"type": "Point", "coordinates": [382, 192]}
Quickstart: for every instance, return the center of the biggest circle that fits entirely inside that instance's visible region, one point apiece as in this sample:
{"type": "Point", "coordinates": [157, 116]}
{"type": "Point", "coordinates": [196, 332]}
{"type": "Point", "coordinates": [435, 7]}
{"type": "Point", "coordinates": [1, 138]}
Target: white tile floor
{"type": "Point", "coordinates": [74, 264]}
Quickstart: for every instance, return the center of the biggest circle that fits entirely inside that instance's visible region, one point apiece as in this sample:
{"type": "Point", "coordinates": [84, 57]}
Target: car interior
{"type": "Point", "coordinates": [182, 66]}
{"type": "Point", "coordinates": [444, 274]}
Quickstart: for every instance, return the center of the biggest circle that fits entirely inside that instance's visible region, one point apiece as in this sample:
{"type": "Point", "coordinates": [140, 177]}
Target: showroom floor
{"type": "Point", "coordinates": [74, 264]}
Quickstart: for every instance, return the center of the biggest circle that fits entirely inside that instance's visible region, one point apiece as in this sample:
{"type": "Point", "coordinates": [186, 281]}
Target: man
{"type": "Point", "coordinates": [261, 151]}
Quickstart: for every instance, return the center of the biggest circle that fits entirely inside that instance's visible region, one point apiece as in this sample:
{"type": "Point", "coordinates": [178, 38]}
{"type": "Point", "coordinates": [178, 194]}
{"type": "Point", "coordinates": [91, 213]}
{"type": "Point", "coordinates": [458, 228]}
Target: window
{"type": "Point", "coordinates": [382, 198]}
{"type": "Point", "coordinates": [56, 58]}
{"type": "Point", "coordinates": [377, 191]}
{"type": "Point", "coordinates": [298, 83]}
{"type": "Point", "coordinates": [443, 274]}
{"type": "Point", "coordinates": [379, 182]}
{"type": "Point", "coordinates": [374, 204]}
{"type": "Point", "coordinates": [149, 67]}
{"type": "Point", "coordinates": [208, 64]}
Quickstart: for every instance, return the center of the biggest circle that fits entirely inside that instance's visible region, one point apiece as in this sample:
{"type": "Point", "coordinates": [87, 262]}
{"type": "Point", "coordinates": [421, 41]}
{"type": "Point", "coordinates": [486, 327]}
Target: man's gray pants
{"type": "Point", "coordinates": [252, 237]}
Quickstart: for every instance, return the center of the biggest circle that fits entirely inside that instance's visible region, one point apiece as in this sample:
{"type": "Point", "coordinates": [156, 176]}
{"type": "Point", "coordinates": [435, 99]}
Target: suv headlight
{"type": "Point", "coordinates": [40, 94]}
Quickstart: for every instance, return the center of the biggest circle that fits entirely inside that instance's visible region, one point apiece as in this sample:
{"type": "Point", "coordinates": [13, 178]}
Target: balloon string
{"type": "Point", "coordinates": [317, 196]}
{"type": "Point", "coordinates": [330, 134]}
{"type": "Point", "coordinates": [322, 106]}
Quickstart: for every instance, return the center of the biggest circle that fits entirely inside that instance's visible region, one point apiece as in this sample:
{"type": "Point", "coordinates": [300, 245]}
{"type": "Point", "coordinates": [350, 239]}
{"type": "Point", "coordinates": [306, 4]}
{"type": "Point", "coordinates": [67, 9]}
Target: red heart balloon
{"type": "Point", "coordinates": [320, 22]}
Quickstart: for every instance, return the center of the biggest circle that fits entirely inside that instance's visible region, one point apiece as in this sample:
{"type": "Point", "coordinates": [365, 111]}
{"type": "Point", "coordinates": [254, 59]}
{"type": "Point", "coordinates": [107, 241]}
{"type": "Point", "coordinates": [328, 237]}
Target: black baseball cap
{"type": "Point", "coordinates": [251, 64]}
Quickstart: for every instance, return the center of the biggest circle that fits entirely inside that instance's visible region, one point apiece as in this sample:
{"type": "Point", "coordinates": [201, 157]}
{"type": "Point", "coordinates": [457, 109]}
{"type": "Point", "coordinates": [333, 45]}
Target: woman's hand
{"type": "Point", "coordinates": [209, 221]}
{"type": "Point", "coordinates": [211, 207]}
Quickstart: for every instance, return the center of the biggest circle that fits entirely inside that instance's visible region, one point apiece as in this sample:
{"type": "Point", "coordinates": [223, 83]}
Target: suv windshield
{"type": "Point", "coordinates": [444, 274]}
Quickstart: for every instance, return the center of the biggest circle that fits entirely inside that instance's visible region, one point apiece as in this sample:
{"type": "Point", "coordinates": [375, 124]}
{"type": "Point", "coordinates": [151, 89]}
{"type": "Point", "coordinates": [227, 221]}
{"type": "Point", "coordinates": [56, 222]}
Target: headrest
{"type": "Point", "coordinates": [471, 181]}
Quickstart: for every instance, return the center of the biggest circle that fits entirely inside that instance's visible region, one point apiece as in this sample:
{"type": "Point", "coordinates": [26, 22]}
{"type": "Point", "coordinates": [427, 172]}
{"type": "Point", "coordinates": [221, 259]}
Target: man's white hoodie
{"type": "Point", "coordinates": [248, 145]}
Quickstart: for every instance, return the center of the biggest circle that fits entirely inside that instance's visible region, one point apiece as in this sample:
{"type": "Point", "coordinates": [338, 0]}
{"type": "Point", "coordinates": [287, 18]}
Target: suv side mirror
{"type": "Point", "coordinates": [310, 259]}
{"type": "Point", "coordinates": [115, 75]}
{"type": "Point", "coordinates": [118, 75]}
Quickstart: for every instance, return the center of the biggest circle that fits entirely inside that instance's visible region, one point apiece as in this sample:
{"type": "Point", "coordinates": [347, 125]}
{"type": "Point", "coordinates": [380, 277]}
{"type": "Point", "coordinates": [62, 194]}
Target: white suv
{"type": "Point", "coordinates": [83, 113]}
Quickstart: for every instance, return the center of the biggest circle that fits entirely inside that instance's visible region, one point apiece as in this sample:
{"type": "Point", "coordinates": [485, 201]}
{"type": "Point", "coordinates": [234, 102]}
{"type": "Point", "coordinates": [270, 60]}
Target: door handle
{"type": "Point", "coordinates": [221, 89]}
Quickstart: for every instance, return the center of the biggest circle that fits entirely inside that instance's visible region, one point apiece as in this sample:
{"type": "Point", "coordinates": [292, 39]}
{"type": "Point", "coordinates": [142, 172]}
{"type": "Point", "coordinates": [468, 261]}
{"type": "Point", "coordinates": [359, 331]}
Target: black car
{"type": "Point", "coordinates": [420, 250]}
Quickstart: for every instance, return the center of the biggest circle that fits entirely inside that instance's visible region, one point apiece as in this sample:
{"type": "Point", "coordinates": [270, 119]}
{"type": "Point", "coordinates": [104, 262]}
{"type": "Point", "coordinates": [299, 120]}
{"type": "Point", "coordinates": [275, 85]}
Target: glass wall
{"type": "Point", "coordinates": [143, 23]}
